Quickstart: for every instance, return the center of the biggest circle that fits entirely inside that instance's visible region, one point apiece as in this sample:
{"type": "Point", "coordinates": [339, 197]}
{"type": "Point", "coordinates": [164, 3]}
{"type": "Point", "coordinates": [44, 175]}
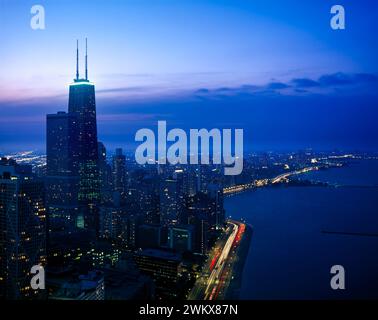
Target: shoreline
{"type": "Point", "coordinates": [233, 290]}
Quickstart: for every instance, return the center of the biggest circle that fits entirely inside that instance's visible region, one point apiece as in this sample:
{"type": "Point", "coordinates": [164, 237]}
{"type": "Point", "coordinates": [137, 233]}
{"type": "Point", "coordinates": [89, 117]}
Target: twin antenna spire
{"type": "Point", "coordinates": [77, 60]}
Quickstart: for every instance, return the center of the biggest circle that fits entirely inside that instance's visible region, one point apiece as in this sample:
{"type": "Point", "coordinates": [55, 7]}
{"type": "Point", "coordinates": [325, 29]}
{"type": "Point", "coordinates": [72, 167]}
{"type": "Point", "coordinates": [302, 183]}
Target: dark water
{"type": "Point", "coordinates": [357, 173]}
{"type": "Point", "coordinates": [290, 257]}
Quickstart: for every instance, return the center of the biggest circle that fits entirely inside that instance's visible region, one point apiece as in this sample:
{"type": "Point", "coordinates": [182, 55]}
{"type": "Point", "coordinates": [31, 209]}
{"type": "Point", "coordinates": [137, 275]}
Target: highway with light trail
{"type": "Point", "coordinates": [217, 272]}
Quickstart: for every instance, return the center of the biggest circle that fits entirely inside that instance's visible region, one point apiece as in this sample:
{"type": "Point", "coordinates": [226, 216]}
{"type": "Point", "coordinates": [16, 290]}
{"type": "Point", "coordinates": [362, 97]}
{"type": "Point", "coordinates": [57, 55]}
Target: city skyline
{"type": "Point", "coordinates": [167, 151]}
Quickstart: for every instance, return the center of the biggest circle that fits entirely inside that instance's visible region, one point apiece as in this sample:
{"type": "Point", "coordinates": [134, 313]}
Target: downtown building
{"type": "Point", "coordinates": [82, 104]}
{"type": "Point", "coordinates": [180, 238]}
{"type": "Point", "coordinates": [62, 180]}
{"type": "Point", "coordinates": [172, 199]}
{"type": "Point", "coordinates": [72, 156]}
{"type": "Point", "coordinates": [22, 229]}
{"type": "Point", "coordinates": [119, 174]}
{"type": "Point", "coordinates": [164, 268]}
{"type": "Point", "coordinates": [105, 175]}
{"type": "Point", "coordinates": [73, 178]}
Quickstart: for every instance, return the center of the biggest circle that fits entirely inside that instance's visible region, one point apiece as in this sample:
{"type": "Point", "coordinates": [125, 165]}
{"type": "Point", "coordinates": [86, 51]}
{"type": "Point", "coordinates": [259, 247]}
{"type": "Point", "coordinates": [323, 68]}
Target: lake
{"type": "Point", "coordinates": [290, 257]}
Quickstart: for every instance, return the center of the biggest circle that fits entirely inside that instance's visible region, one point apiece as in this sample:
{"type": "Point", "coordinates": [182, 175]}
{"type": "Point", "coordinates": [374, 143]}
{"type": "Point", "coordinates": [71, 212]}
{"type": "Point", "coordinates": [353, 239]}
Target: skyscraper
{"type": "Point", "coordinates": [62, 180]}
{"type": "Point", "coordinates": [181, 238]}
{"type": "Point", "coordinates": [119, 172]}
{"type": "Point", "coordinates": [82, 104]}
{"type": "Point", "coordinates": [22, 230]}
{"type": "Point", "coordinates": [105, 175]}
{"type": "Point", "coordinates": [169, 201]}
{"type": "Point", "coordinates": [73, 182]}
{"type": "Point", "coordinates": [215, 193]}
{"type": "Point", "coordinates": [61, 146]}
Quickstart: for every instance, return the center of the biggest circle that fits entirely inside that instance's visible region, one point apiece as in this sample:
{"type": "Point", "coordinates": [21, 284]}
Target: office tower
{"type": "Point", "coordinates": [179, 176]}
{"type": "Point", "coordinates": [215, 193]}
{"type": "Point", "coordinates": [168, 202]}
{"type": "Point", "coordinates": [72, 180]}
{"type": "Point", "coordinates": [201, 233]}
{"type": "Point", "coordinates": [22, 230]}
{"type": "Point", "coordinates": [119, 172]}
{"type": "Point", "coordinates": [61, 146]}
{"type": "Point", "coordinates": [109, 223]}
{"type": "Point", "coordinates": [181, 238]}
{"type": "Point", "coordinates": [62, 180]}
{"type": "Point", "coordinates": [105, 175]}
{"type": "Point", "coordinates": [200, 210]}
{"type": "Point", "coordinates": [113, 224]}
{"type": "Point", "coordinates": [82, 104]}
{"type": "Point", "coordinates": [190, 180]}
{"type": "Point", "coordinates": [148, 198]}
{"type": "Point", "coordinates": [171, 200]}
{"type": "Point", "coordinates": [134, 222]}
{"type": "Point", "coordinates": [119, 226]}
{"type": "Point", "coordinates": [164, 268]}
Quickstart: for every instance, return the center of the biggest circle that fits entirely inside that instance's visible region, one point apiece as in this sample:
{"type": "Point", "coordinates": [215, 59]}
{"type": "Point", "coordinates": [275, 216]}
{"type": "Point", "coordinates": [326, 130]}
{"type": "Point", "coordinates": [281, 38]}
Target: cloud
{"type": "Point", "coordinates": [337, 80]}
{"type": "Point", "coordinates": [305, 83]}
{"type": "Point", "coordinates": [342, 79]}
{"type": "Point", "coordinates": [325, 84]}
{"type": "Point", "coordinates": [202, 91]}
{"type": "Point", "coordinates": [277, 86]}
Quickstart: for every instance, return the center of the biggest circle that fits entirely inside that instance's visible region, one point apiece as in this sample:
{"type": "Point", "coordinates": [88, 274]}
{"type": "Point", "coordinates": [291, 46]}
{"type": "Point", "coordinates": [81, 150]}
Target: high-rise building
{"type": "Point", "coordinates": [82, 103]}
{"type": "Point", "coordinates": [119, 172]}
{"type": "Point", "coordinates": [200, 211]}
{"type": "Point", "coordinates": [201, 232]}
{"type": "Point", "coordinates": [181, 238]}
{"type": "Point", "coordinates": [105, 175]}
{"type": "Point", "coordinates": [164, 267]}
{"type": "Point", "coordinates": [113, 224]}
{"type": "Point", "coordinates": [22, 230]}
{"type": "Point", "coordinates": [148, 198]}
{"type": "Point", "coordinates": [61, 144]}
{"type": "Point", "coordinates": [215, 193]}
{"type": "Point", "coordinates": [72, 156]}
{"type": "Point", "coordinates": [62, 180]}
{"type": "Point", "coordinates": [170, 202]}
{"type": "Point", "coordinates": [190, 180]}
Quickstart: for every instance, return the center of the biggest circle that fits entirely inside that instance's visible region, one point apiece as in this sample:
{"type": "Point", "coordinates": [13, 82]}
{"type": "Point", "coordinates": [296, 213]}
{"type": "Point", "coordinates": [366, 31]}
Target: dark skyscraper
{"type": "Point", "coordinates": [61, 144]}
{"type": "Point", "coordinates": [105, 175]}
{"type": "Point", "coordinates": [22, 230]}
{"type": "Point", "coordinates": [172, 198]}
{"type": "Point", "coordinates": [169, 200]}
{"type": "Point", "coordinates": [62, 178]}
{"type": "Point", "coordinates": [119, 172]}
{"type": "Point", "coordinates": [181, 238]}
{"type": "Point", "coordinates": [73, 182]}
{"type": "Point", "coordinates": [215, 193]}
{"type": "Point", "coordinates": [82, 104]}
